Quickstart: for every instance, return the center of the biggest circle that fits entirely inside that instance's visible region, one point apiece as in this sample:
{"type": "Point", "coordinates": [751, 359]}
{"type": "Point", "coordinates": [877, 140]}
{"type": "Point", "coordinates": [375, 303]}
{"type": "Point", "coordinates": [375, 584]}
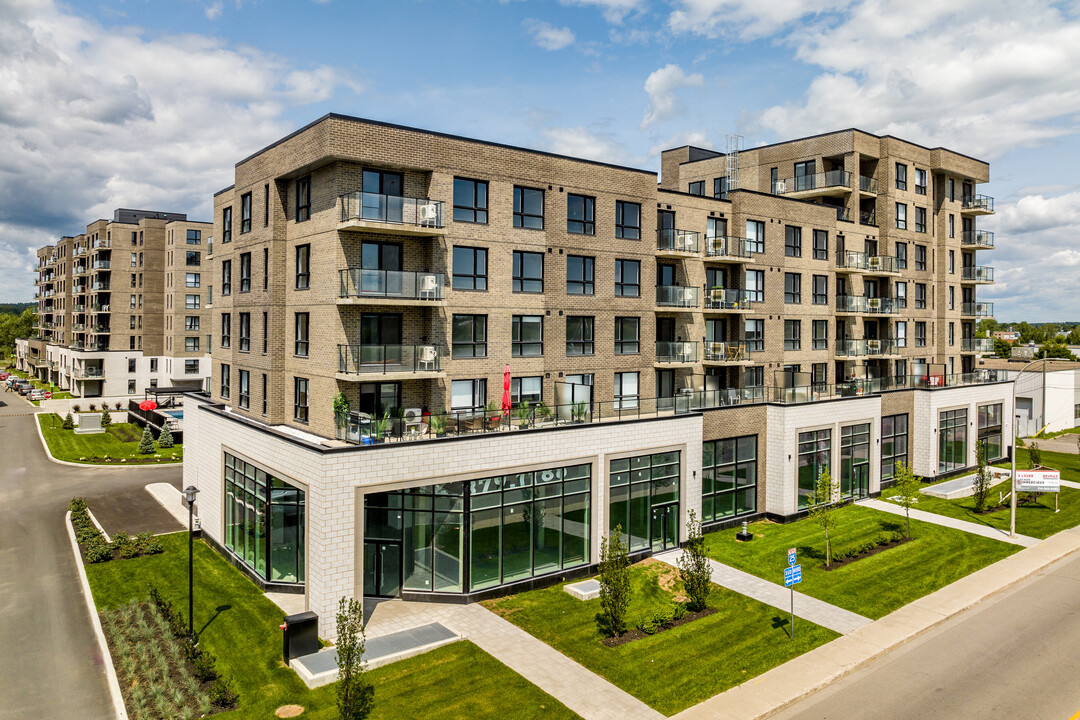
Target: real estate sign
{"type": "Point", "coordinates": [1038, 480]}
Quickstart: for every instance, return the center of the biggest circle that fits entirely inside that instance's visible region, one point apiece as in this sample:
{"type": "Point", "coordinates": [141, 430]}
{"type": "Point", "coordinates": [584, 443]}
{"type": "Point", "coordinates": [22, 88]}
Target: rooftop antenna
{"type": "Point", "coordinates": [734, 143]}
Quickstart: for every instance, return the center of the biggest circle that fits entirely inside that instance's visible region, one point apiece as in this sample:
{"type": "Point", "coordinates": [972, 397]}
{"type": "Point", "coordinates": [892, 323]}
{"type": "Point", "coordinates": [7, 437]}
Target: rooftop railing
{"type": "Point", "coordinates": [392, 209]}
{"type": "Point", "coordinates": [382, 359]}
{"type": "Point", "coordinates": [672, 240]}
{"type": "Point", "coordinates": [367, 282]}
{"type": "Point", "coordinates": [678, 296]}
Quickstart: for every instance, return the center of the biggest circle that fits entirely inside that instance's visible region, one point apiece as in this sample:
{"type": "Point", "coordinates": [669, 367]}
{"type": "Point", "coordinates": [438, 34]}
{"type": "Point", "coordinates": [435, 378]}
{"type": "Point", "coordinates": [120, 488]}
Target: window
{"type": "Point", "coordinates": [952, 225]}
{"type": "Point", "coordinates": [720, 188]}
{"type": "Point", "coordinates": [821, 334]}
{"type": "Point", "coordinates": [527, 336]}
{"type": "Point", "coordinates": [131, 387]}
{"type": "Point", "coordinates": [920, 296]}
{"type": "Point", "coordinates": [470, 200]}
{"type": "Point", "coordinates": [191, 302]}
{"type": "Point", "coordinates": [626, 390]}
{"type": "Point", "coordinates": [468, 394]}
{"type": "Point", "coordinates": [755, 236]}
{"type": "Point", "coordinates": [225, 381]}
{"type": "Point", "coordinates": [952, 190]}
{"type": "Point", "coordinates": [755, 335]}
{"type": "Point", "coordinates": [792, 288]}
{"type": "Point", "coordinates": [755, 285]}
{"type": "Point", "coordinates": [901, 256]}
{"type": "Point", "coordinates": [245, 213]}
{"type": "Point", "coordinates": [302, 330]}
{"type": "Point", "coordinates": [855, 460]}
{"type": "Point", "coordinates": [300, 399]}
{"type": "Point", "coordinates": [526, 389]}
{"type": "Point", "coordinates": [580, 215]}
{"type": "Point", "coordinates": [191, 367]}
{"type": "Point", "coordinates": [266, 268]}
{"type": "Point", "coordinates": [132, 365]}
{"type": "Point", "coordinates": [627, 220]}
{"type": "Point", "coordinates": [303, 200]}
{"type": "Point", "coordinates": [244, 396]}
{"type": "Point", "coordinates": [901, 176]}
{"type": "Point", "coordinates": [821, 245]}
{"type": "Point", "coordinates": [952, 262]}
{"type": "Point", "coordinates": [952, 297]}
{"type": "Point", "coordinates": [697, 188]}
{"type": "Point", "coordinates": [792, 334]}
{"type": "Point", "coordinates": [920, 181]}
{"type": "Point", "coordinates": [901, 216]}
{"type": "Point", "coordinates": [579, 275]}
{"type": "Point", "coordinates": [901, 334]}
{"type": "Point", "coordinates": [191, 280]}
{"type": "Point", "coordinates": [193, 258]}
{"type": "Point", "coordinates": [901, 294]}
{"type": "Point", "coordinates": [793, 241]}
{"type": "Point", "coordinates": [303, 267]}
{"type": "Point", "coordinates": [579, 335]}
{"type": "Point", "coordinates": [728, 478]}
{"type": "Point", "coordinates": [528, 208]}
{"type": "Point", "coordinates": [226, 225]}
{"type": "Point", "coordinates": [265, 393]}
{"type": "Point", "coordinates": [266, 331]}
{"type": "Point", "coordinates": [528, 272]}
{"type": "Point", "coordinates": [920, 219]}
{"type": "Point", "coordinates": [820, 294]}
{"type": "Point", "coordinates": [131, 324]}
{"type": "Point", "coordinates": [814, 451]}
{"type": "Point", "coordinates": [470, 268]}
{"type": "Point", "coordinates": [900, 369]}
{"type": "Point", "coordinates": [191, 323]}
{"type": "Point", "coordinates": [226, 277]}
{"type": "Point", "coordinates": [226, 330]}
{"type": "Point", "coordinates": [266, 205]}
{"type": "Point", "coordinates": [990, 431]}
{"type": "Point", "coordinates": [893, 444]}
{"type": "Point", "coordinates": [245, 272]}
{"type": "Point", "coordinates": [627, 335]}
{"type": "Point", "coordinates": [952, 333]}
{"type": "Point", "coordinates": [469, 336]}
{"type": "Point", "coordinates": [952, 440]}
{"type": "Point", "coordinates": [627, 278]}
{"type": "Point", "coordinates": [920, 334]}
{"type": "Point", "coordinates": [920, 257]}
{"type": "Point", "coordinates": [191, 344]}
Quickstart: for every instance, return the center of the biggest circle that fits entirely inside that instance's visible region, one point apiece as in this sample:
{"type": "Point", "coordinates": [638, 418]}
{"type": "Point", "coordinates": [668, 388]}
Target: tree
{"type": "Point", "coordinates": [355, 695]}
{"type": "Point", "coordinates": [981, 482]}
{"type": "Point", "coordinates": [69, 422]}
{"type": "Point", "coordinates": [1034, 456]}
{"type": "Point", "coordinates": [1055, 348]}
{"type": "Point", "coordinates": [986, 327]}
{"type": "Point", "coordinates": [106, 416]}
{"type": "Point", "coordinates": [694, 568]}
{"type": "Point", "coordinates": [165, 439]}
{"type": "Point", "coordinates": [614, 581]}
{"type": "Point", "coordinates": [907, 486]}
{"type": "Point", "coordinates": [1002, 348]}
{"type": "Point", "coordinates": [824, 510]}
{"type": "Point", "coordinates": [146, 445]}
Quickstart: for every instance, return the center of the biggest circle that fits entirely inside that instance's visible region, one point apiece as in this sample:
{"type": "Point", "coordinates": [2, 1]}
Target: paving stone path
{"type": "Point", "coordinates": [777, 596]}
{"type": "Point", "coordinates": [945, 521]}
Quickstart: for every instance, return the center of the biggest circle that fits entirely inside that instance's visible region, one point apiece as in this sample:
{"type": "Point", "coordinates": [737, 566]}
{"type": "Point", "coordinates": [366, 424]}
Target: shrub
{"type": "Point", "coordinates": [118, 405]}
{"type": "Point", "coordinates": [823, 511]}
{"type": "Point", "coordinates": [99, 553]}
{"type": "Point", "coordinates": [614, 581]}
{"type": "Point", "coordinates": [1034, 456]}
{"type": "Point", "coordinates": [981, 482]}
{"type": "Point", "coordinates": [203, 663]}
{"type": "Point", "coordinates": [77, 408]}
{"type": "Point", "coordinates": [148, 544]}
{"type": "Point", "coordinates": [76, 505]}
{"type": "Point", "coordinates": [694, 568]}
{"type": "Point", "coordinates": [165, 439]}
{"type": "Point", "coordinates": [146, 444]}
{"type": "Point", "coordinates": [907, 486]}
{"type": "Point", "coordinates": [222, 694]}
{"type": "Point", "coordinates": [106, 416]}
{"type": "Point", "coordinates": [678, 612]}
{"type": "Point", "coordinates": [93, 407]}
{"type": "Point", "coordinates": [69, 422]}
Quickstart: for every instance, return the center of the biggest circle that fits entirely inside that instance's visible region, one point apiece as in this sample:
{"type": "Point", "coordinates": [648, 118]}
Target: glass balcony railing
{"type": "Point", "coordinates": [101, 265]}
{"type": "Point", "coordinates": [680, 351]}
{"type": "Point", "coordinates": [867, 184]}
{"type": "Point", "coordinates": [725, 299]}
{"type": "Point", "coordinates": [726, 351]}
{"type": "Point", "coordinates": [977, 203]}
{"type": "Point", "coordinates": [683, 241]}
{"type": "Point", "coordinates": [101, 243]}
{"type": "Point", "coordinates": [851, 260]}
{"type": "Point", "coordinates": [866, 305]}
{"type": "Point", "coordinates": [816, 181]}
{"type": "Point", "coordinates": [678, 296]}
{"type": "Point", "coordinates": [854, 260]}
{"type": "Point", "coordinates": [98, 285]}
{"type": "Point", "coordinates": [868, 217]}
{"type": "Point", "coordinates": [982, 238]}
{"type": "Point", "coordinates": [381, 359]}
{"type": "Point", "coordinates": [733, 247]}
{"type": "Point", "coordinates": [882, 263]}
{"type": "Point", "coordinates": [392, 209]}
{"type": "Point", "coordinates": [977, 273]}
{"type": "Point", "coordinates": [370, 283]}
{"type": "Point", "coordinates": [977, 309]}
{"type": "Point", "coordinates": [977, 345]}
{"type": "Point", "coordinates": [865, 348]}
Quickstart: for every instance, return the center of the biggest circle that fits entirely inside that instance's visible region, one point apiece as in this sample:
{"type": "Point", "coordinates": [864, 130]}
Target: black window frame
{"type": "Point", "coordinates": [696, 188]}
{"type": "Point", "coordinates": [226, 371]}
{"type": "Point", "coordinates": [920, 219]}
{"type": "Point", "coordinates": [226, 330]}
{"type": "Point", "coordinates": [525, 220]}
{"type": "Point", "coordinates": [475, 278]}
{"type": "Point", "coordinates": [623, 345]}
{"type": "Point", "coordinates": [244, 321]}
{"type": "Point", "coordinates": [819, 290]}
{"type": "Point", "coordinates": [921, 189]}
{"type": "Point", "coordinates": [620, 283]}
{"type": "Point", "coordinates": [586, 331]}
{"type": "Point", "coordinates": [901, 255]}
{"type": "Point", "coordinates": [792, 241]}
{"type": "Point", "coordinates": [720, 188]}
{"type": "Point", "coordinates": [587, 224]}
{"type": "Point", "coordinates": [226, 225]}
{"type": "Point", "coordinates": [477, 206]}
{"type": "Point", "coordinates": [193, 255]}
{"type": "Point", "coordinates": [624, 229]}
{"type": "Point", "coordinates": [245, 213]}
{"type": "Point", "coordinates": [301, 333]}
{"type": "Point", "coordinates": [792, 335]}
{"type": "Point", "coordinates": [519, 345]}
{"type": "Point", "coordinates": [819, 341]}
{"type": "Point", "coordinates": [891, 431]}
{"type": "Point", "coordinates": [821, 244]}
{"type": "Point", "coordinates": [226, 277]}
{"type": "Point", "coordinates": [194, 237]}
{"type": "Point", "coordinates": [519, 279]}
{"type": "Point", "coordinates": [586, 285]}
{"type": "Point", "coordinates": [920, 333]}
{"type": "Point", "coordinates": [755, 244]}
{"type": "Point", "coordinates": [477, 347]}
{"type": "Point", "coordinates": [303, 199]}
{"type": "Point", "coordinates": [301, 390]}
{"type": "Point", "coordinates": [901, 176]}
{"type": "Point", "coordinates": [920, 257]}
{"type": "Point", "coordinates": [243, 394]}
{"type": "Point", "coordinates": [792, 288]}
{"type": "Point", "coordinates": [245, 272]}
{"type": "Point", "coordinates": [920, 296]}
{"type": "Point", "coordinates": [302, 267]}
{"type": "Point", "coordinates": [901, 222]}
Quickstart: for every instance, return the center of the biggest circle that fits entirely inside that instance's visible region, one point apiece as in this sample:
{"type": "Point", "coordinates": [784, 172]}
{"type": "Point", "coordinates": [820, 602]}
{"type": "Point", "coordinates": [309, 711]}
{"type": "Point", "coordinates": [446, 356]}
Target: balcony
{"type": "Point", "coordinates": [101, 265]}
{"type": "Point", "coordinates": [670, 241]}
{"type": "Point", "coordinates": [868, 218]}
{"type": "Point", "coordinates": [824, 391]}
{"type": "Point", "coordinates": [78, 327]}
{"type": "Point", "coordinates": [729, 249]}
{"type": "Point", "coordinates": [678, 297]}
{"type": "Point", "coordinates": [977, 345]}
{"type": "Point", "coordinates": [977, 240]}
{"type": "Point", "coordinates": [682, 351]}
{"type": "Point", "coordinates": [86, 373]}
{"type": "Point", "coordinates": [977, 205]}
{"type": "Point", "coordinates": [99, 308]}
{"type": "Point", "coordinates": [977, 309]}
{"type": "Point", "coordinates": [865, 348]}
{"type": "Point", "coordinates": [829, 183]}
{"type": "Point", "coordinates": [390, 361]}
{"type": "Point", "coordinates": [79, 251]}
{"type": "Point", "coordinates": [79, 270]}
{"type": "Point", "coordinates": [728, 300]}
{"type": "Point", "coordinates": [391, 214]}
{"type": "Point", "coordinates": [99, 329]}
{"type": "Point", "coordinates": [99, 285]}
{"type": "Point", "coordinates": [78, 289]}
{"type": "Point", "coordinates": [867, 185]}
{"type": "Point", "coordinates": [977, 274]}
{"type": "Point", "coordinates": [100, 346]}
{"type": "Point", "coordinates": [726, 353]}
{"type": "Point", "coordinates": [861, 305]}
{"type": "Point", "coordinates": [79, 307]}
{"type": "Point", "coordinates": [390, 287]}
{"type": "Point", "coordinates": [101, 244]}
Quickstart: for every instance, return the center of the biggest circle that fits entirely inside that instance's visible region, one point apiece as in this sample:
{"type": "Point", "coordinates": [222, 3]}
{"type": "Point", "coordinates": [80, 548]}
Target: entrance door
{"type": "Point", "coordinates": [860, 481]}
{"type": "Point", "coordinates": [382, 196]}
{"type": "Point", "coordinates": [665, 527]}
{"type": "Point", "coordinates": [382, 569]}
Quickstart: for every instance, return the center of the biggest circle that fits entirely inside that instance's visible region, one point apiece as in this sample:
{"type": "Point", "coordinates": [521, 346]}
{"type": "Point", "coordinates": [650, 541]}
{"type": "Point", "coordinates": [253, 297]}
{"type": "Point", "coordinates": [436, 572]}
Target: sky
{"type": "Point", "coordinates": [149, 103]}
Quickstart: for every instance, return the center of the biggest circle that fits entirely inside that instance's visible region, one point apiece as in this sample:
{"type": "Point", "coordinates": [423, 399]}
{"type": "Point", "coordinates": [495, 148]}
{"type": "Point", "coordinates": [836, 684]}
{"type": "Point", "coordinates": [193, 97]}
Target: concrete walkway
{"type": "Point", "coordinates": [816, 611]}
{"type": "Point", "coordinates": [586, 693]}
{"type": "Point", "coordinates": [945, 521]}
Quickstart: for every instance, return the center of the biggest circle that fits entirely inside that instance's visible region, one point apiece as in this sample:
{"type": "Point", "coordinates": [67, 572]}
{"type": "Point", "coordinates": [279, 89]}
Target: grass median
{"type": "Point", "coordinates": [118, 445]}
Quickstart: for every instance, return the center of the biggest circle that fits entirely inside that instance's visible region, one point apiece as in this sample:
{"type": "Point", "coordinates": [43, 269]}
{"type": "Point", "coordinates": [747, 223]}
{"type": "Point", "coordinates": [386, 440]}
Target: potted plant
{"type": "Point", "coordinates": [379, 427]}
{"type": "Point", "coordinates": [341, 410]}
{"type": "Point", "coordinates": [494, 413]}
{"type": "Point", "coordinates": [578, 411]}
{"type": "Point", "coordinates": [524, 413]}
{"type": "Point", "coordinates": [437, 423]}
{"type": "Point", "coordinates": [543, 411]}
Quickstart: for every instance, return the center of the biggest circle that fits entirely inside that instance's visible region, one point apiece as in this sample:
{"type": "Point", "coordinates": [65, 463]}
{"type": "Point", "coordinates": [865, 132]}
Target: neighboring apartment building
{"type": "Point", "coordinates": [1010, 335]}
{"type": "Point", "coordinates": [706, 345]}
{"type": "Point", "coordinates": [121, 307]}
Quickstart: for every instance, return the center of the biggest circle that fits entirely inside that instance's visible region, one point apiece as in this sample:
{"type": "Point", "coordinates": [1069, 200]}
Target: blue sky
{"type": "Point", "coordinates": [149, 104]}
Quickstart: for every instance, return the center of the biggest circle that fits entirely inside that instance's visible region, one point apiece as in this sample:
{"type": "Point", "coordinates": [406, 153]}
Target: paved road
{"type": "Point", "coordinates": [1011, 657]}
{"type": "Point", "coordinates": [49, 663]}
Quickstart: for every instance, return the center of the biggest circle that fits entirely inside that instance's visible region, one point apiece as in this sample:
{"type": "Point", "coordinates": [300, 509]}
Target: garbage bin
{"type": "Point", "coordinates": [301, 636]}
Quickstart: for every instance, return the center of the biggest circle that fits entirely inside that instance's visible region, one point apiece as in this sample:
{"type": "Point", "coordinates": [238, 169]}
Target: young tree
{"type": "Point", "coordinates": [69, 422]}
{"type": "Point", "coordinates": [981, 482]}
{"type": "Point", "coordinates": [355, 695]}
{"type": "Point", "coordinates": [1034, 456]}
{"type": "Point", "coordinates": [106, 416]}
{"type": "Point", "coordinates": [824, 510]}
{"type": "Point", "coordinates": [907, 486]}
{"type": "Point", "coordinates": [614, 581]}
{"type": "Point", "coordinates": [694, 568]}
{"type": "Point", "coordinates": [146, 445]}
{"type": "Point", "coordinates": [165, 439]}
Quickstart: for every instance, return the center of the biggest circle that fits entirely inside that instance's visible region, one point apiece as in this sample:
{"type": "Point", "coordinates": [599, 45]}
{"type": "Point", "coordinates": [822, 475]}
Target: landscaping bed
{"type": "Point", "coordinates": [95, 549]}
{"type": "Point", "coordinates": [118, 445]}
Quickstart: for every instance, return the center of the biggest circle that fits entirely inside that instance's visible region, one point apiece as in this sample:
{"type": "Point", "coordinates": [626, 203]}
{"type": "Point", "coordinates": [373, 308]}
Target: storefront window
{"type": "Point", "coordinates": [254, 498]}
{"type": "Point", "coordinates": [894, 437]}
{"type": "Point", "coordinates": [814, 451]}
{"type": "Point", "coordinates": [952, 440]}
{"type": "Point", "coordinates": [644, 500]}
{"type": "Point", "coordinates": [728, 478]}
{"type": "Point", "coordinates": [855, 460]}
{"type": "Point", "coordinates": [990, 430]}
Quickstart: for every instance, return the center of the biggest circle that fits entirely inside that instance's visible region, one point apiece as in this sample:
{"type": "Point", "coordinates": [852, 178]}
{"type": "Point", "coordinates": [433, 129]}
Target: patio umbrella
{"type": "Point", "coordinates": [506, 390]}
{"type": "Point", "coordinates": [147, 405]}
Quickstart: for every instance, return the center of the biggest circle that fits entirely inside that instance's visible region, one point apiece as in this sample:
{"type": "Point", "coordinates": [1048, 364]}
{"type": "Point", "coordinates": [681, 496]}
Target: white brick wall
{"type": "Point", "coordinates": [930, 403]}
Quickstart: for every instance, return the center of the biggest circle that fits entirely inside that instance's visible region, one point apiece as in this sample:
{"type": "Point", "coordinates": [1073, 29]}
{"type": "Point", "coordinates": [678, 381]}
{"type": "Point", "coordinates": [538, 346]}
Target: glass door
{"type": "Point", "coordinates": [665, 527]}
{"type": "Point", "coordinates": [382, 569]}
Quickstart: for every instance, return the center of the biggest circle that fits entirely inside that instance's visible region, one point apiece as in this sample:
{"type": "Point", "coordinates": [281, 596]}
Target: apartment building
{"type": "Point", "coordinates": [704, 341]}
{"type": "Point", "coordinates": [121, 307]}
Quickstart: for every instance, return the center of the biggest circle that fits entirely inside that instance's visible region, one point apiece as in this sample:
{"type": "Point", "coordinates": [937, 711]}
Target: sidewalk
{"type": "Point", "coordinates": [945, 521]}
{"type": "Point", "coordinates": [777, 596]}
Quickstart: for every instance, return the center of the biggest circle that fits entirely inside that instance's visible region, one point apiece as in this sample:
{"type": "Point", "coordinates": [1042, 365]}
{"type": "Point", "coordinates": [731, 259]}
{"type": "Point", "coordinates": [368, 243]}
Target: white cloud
{"type": "Point", "coordinates": [661, 86]}
{"type": "Point", "coordinates": [548, 36]}
{"type": "Point", "coordinates": [1035, 212]}
{"type": "Point", "coordinates": [581, 142]}
{"type": "Point", "coordinates": [744, 18]}
{"type": "Point", "coordinates": [213, 11]}
{"type": "Point", "coordinates": [92, 119]}
{"type": "Point", "coordinates": [615, 11]}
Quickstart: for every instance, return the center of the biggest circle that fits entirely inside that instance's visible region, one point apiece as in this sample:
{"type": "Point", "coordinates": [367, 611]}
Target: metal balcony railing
{"type": "Point", "coordinates": [672, 240]}
{"type": "Point", "coordinates": [882, 263]}
{"type": "Point", "coordinates": [866, 305]}
{"type": "Point", "coordinates": [865, 348]}
{"type": "Point", "coordinates": [977, 273]}
{"type": "Point", "coordinates": [392, 209]}
{"type": "Point", "coordinates": [977, 309]}
{"type": "Point", "coordinates": [980, 203]}
{"type": "Point", "coordinates": [725, 299]}
{"type": "Point", "coordinates": [817, 181]}
{"type": "Point", "coordinates": [366, 282]}
{"type": "Point", "coordinates": [381, 359]}
{"type": "Point", "coordinates": [679, 351]}
{"type": "Point", "coordinates": [727, 351]}
{"type": "Point", "coordinates": [726, 246]}
{"type": "Point", "coordinates": [678, 296]}
{"type": "Point", "coordinates": [983, 238]}
{"type": "Point", "coordinates": [977, 345]}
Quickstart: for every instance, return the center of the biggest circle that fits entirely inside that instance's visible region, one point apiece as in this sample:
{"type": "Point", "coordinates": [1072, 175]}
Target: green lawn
{"type": "Point", "coordinates": [1034, 520]}
{"type": "Point", "coordinates": [674, 669]}
{"type": "Point", "coordinates": [116, 444]}
{"type": "Point", "coordinates": [239, 626]}
{"type": "Point", "coordinates": [873, 586]}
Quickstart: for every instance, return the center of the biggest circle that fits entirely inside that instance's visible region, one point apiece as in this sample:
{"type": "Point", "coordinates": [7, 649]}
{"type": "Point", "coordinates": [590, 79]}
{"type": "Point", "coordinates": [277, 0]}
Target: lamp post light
{"type": "Point", "coordinates": [189, 495]}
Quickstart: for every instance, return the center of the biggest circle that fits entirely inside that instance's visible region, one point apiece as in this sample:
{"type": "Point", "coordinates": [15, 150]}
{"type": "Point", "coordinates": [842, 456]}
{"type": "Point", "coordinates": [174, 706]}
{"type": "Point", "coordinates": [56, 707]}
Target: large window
{"type": "Point", "coordinates": [627, 220]}
{"type": "Point", "coordinates": [720, 188]}
{"type": "Point", "coordinates": [855, 460]}
{"type": "Point", "coordinates": [225, 381]}
{"type": "Point", "coordinates": [526, 389]}
{"type": "Point", "coordinates": [820, 331]}
{"type": "Point", "coordinates": [901, 176]}
{"type": "Point", "coordinates": [193, 258]}
{"type": "Point", "coordinates": [920, 257]}
{"type": "Point", "coordinates": [627, 278]}
{"type": "Point", "coordinates": [528, 272]}
{"type": "Point", "coordinates": [990, 430]}
{"type": "Point", "coordinates": [627, 335]}
{"type": "Point", "coordinates": [793, 241]}
{"type": "Point", "coordinates": [301, 347]}
{"type": "Point", "coordinates": [644, 500]}
{"type": "Point", "coordinates": [821, 245]}
{"type": "Point", "coordinates": [579, 275]}
{"type": "Point", "coordinates": [469, 336]}
{"type": "Point", "coordinates": [468, 394]}
{"type": "Point", "coordinates": [728, 478]}
{"type": "Point", "coordinates": [920, 181]}
{"type": "Point", "coordinates": [300, 399]}
{"type": "Point", "coordinates": [820, 291]}
{"type": "Point", "coordinates": [470, 268]}
{"type": "Point", "coordinates": [192, 302]}
{"type": "Point", "coordinates": [920, 219]}
{"type": "Point", "coordinates": [528, 208]}
{"type": "Point", "coordinates": [901, 216]}
{"type": "Point", "coordinates": [303, 267]}
{"type": "Point", "coordinates": [894, 444]}
{"type": "Point", "coordinates": [244, 396]}
{"type": "Point", "coordinates": [755, 335]}
{"type": "Point", "coordinates": [625, 391]}
{"type": "Point", "coordinates": [470, 200]}
{"type": "Point", "coordinates": [920, 296]}
{"type": "Point", "coordinates": [755, 285]}
{"type": "Point", "coordinates": [226, 330]}
{"type": "Point", "coordinates": [264, 521]}
{"type": "Point", "coordinates": [952, 440]}
{"type": "Point", "coordinates": [755, 236]}
{"type": "Point", "coordinates": [191, 323]}
{"type": "Point", "coordinates": [226, 225]}
{"type": "Point", "coordinates": [245, 332]}
{"type": "Point", "coordinates": [901, 256]}
{"type": "Point", "coordinates": [303, 199]}
{"type": "Point", "coordinates": [792, 334]}
{"type": "Point", "coordinates": [815, 448]}
{"type": "Point", "coordinates": [792, 288]}
{"type": "Point", "coordinates": [527, 336]}
{"type": "Point", "coordinates": [194, 237]}
{"type": "Point", "coordinates": [245, 213]}
{"type": "Point", "coordinates": [226, 277]}
{"type": "Point", "coordinates": [579, 335]}
{"type": "Point", "coordinates": [580, 215]}
{"type": "Point", "coordinates": [192, 280]}
{"type": "Point", "coordinates": [245, 272]}
{"type": "Point", "coordinates": [697, 188]}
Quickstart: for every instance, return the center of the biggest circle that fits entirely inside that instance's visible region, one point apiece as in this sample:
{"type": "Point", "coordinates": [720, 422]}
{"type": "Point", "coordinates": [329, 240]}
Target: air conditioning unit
{"type": "Point", "coordinates": [874, 262]}
{"type": "Point", "coordinates": [873, 303]}
{"type": "Point", "coordinates": [781, 187]}
{"type": "Point", "coordinates": [873, 345]}
{"type": "Point", "coordinates": [429, 214]}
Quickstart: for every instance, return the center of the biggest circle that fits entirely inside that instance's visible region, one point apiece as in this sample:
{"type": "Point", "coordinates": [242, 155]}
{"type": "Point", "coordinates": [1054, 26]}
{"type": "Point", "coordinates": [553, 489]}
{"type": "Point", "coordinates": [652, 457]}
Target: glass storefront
{"type": "Point", "coordinates": [855, 460]}
{"type": "Point", "coordinates": [264, 521]}
{"type": "Point", "coordinates": [814, 450]}
{"type": "Point", "coordinates": [728, 478]}
{"type": "Point", "coordinates": [952, 440]}
{"type": "Point", "coordinates": [990, 430]}
{"type": "Point", "coordinates": [894, 437]}
{"type": "Point", "coordinates": [645, 500]}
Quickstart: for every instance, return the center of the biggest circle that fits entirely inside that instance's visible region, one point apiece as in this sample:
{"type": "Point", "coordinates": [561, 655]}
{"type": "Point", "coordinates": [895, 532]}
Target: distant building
{"type": "Point", "coordinates": [1006, 335]}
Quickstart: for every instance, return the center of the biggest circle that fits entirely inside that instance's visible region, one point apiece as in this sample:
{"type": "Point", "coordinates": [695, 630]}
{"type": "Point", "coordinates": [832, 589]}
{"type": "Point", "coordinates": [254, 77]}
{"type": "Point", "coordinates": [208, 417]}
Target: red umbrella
{"type": "Point", "coordinates": [506, 390]}
{"type": "Point", "coordinates": [147, 405]}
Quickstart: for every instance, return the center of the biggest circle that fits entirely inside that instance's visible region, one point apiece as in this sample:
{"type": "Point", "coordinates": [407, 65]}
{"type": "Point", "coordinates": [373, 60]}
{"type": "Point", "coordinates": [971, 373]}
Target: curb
{"type": "Point", "coordinates": [111, 466]}
{"type": "Point", "coordinates": [110, 671]}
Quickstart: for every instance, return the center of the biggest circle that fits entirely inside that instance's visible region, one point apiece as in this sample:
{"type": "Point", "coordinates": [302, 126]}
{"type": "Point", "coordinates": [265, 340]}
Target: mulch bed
{"type": "Point", "coordinates": [635, 634]}
{"type": "Point", "coordinates": [865, 554]}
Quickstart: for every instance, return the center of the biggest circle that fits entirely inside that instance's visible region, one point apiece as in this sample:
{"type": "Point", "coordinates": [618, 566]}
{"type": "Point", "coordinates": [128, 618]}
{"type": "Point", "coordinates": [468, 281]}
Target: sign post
{"type": "Point", "coordinates": [792, 577]}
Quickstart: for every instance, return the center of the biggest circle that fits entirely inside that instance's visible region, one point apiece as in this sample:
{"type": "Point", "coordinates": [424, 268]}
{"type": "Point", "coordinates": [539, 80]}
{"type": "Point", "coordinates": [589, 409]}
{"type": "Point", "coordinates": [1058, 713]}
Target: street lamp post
{"type": "Point", "coordinates": [189, 495]}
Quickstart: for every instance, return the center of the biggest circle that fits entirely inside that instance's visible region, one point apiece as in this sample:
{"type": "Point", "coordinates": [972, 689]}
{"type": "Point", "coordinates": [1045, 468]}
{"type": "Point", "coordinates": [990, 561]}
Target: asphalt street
{"type": "Point", "coordinates": [50, 664]}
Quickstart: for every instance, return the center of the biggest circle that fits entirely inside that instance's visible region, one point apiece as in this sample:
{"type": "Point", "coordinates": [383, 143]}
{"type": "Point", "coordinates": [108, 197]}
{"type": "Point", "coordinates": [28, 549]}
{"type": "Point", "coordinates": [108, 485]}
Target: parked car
{"type": "Point", "coordinates": [4, 375]}
{"type": "Point", "coordinates": [36, 394]}
{"type": "Point", "coordinates": [24, 387]}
